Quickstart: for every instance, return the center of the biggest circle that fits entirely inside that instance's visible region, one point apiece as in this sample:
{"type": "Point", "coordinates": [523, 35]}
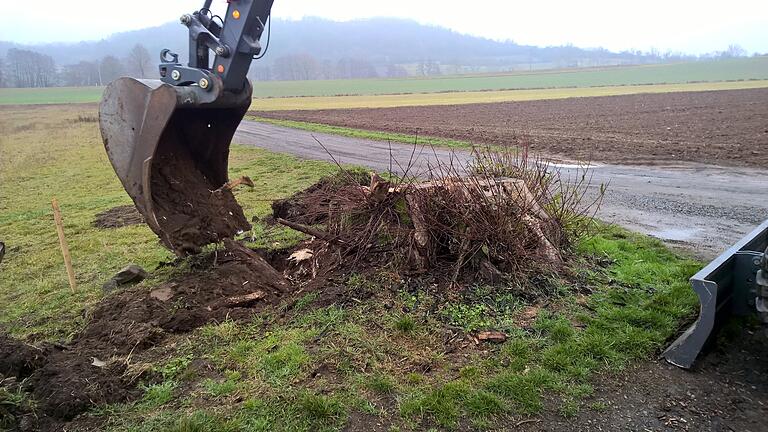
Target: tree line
{"type": "Point", "coordinates": [27, 68]}
{"type": "Point", "coordinates": [298, 67]}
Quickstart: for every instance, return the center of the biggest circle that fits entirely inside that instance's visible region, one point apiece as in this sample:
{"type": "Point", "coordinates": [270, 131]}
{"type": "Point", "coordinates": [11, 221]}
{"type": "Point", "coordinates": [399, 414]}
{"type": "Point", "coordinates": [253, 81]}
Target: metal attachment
{"type": "Point", "coordinates": [204, 83]}
{"type": "Point", "coordinates": [729, 285]}
{"type": "Point", "coordinates": [234, 40]}
{"type": "Point", "coordinates": [175, 74]}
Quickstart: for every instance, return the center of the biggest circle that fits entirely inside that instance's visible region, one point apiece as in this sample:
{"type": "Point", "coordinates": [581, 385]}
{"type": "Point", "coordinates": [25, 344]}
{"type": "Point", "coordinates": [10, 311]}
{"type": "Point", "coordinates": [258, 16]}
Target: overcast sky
{"type": "Point", "coordinates": [693, 26]}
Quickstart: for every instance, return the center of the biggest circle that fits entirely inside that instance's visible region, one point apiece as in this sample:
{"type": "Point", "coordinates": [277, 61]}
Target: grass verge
{"type": "Point", "coordinates": [330, 367]}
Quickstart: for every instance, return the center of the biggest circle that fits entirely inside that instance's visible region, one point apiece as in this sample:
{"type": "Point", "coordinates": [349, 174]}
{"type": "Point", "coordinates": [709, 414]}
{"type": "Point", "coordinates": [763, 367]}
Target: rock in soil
{"type": "Point", "coordinates": [129, 275]}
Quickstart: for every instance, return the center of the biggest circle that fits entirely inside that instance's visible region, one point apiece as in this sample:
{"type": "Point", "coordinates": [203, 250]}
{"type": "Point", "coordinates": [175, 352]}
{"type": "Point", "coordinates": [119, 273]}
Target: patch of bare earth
{"type": "Point", "coordinates": [726, 391]}
{"type": "Point", "coordinates": [118, 217]}
{"type": "Point", "coordinates": [100, 365]}
{"type": "Point", "coordinates": [716, 127]}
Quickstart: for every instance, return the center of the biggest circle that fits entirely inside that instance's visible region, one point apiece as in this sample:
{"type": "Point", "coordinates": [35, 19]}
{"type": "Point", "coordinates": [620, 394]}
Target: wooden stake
{"type": "Point", "coordinates": [63, 244]}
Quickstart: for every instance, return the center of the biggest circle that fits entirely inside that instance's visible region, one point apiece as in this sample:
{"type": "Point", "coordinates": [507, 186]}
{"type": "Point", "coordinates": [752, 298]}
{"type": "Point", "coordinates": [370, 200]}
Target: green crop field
{"type": "Point", "coordinates": [725, 70]}
{"type": "Point", "coordinates": [712, 75]}
{"type": "Point", "coordinates": [50, 95]}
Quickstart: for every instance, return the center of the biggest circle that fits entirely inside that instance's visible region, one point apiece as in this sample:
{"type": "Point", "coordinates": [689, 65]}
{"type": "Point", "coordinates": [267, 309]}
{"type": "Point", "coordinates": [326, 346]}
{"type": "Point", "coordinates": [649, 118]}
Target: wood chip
{"type": "Point", "coordinates": [244, 300]}
{"type": "Point", "coordinates": [244, 180]}
{"type": "Point", "coordinates": [492, 336]}
{"type": "Point", "coordinates": [301, 255]}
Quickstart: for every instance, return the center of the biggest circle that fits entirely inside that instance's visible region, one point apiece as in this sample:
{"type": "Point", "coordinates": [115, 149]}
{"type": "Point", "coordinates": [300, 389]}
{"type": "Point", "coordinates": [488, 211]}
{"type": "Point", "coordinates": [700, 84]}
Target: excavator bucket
{"type": "Point", "coordinates": [733, 284]}
{"type": "Point", "coordinates": [170, 151]}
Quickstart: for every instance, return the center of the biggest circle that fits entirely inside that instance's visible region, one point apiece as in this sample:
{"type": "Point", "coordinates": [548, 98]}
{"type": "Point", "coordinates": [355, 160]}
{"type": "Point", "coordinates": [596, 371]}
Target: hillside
{"type": "Point", "coordinates": [380, 41]}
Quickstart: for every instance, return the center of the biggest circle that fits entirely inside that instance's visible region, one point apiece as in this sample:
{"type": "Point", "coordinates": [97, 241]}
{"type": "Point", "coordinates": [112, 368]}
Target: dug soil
{"type": "Point", "coordinates": [97, 367]}
{"type": "Point", "coordinates": [716, 127]}
{"type": "Point", "coordinates": [118, 217]}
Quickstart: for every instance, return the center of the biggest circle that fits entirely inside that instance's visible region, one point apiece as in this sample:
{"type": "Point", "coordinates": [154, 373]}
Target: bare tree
{"type": "Point", "coordinates": [297, 67]}
{"type": "Point", "coordinates": [396, 71]}
{"type": "Point", "coordinates": [30, 69]}
{"type": "Point", "coordinates": [139, 61]}
{"type": "Point", "coordinates": [328, 69]}
{"type": "Point", "coordinates": [110, 69]}
{"type": "Point", "coordinates": [260, 73]}
{"type": "Point", "coordinates": [355, 68]}
{"type": "Point", "coordinates": [429, 68]}
{"type": "Point", "coordinates": [82, 74]}
{"type": "Point", "coordinates": [735, 50]}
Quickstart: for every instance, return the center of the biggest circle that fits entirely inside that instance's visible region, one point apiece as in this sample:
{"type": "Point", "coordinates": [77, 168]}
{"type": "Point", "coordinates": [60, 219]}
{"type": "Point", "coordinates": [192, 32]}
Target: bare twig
{"type": "Point", "coordinates": [310, 231]}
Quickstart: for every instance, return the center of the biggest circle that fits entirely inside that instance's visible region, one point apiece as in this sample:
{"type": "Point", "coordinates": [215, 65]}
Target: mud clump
{"type": "Point", "coordinates": [129, 320]}
{"type": "Point", "coordinates": [309, 205]}
{"type": "Point", "coordinates": [70, 383]}
{"type": "Point", "coordinates": [118, 217]}
{"type": "Point", "coordinates": [18, 359]}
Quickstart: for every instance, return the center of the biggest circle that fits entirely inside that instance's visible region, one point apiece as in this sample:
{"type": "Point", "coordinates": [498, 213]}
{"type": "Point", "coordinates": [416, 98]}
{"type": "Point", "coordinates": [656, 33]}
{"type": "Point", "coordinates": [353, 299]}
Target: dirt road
{"type": "Point", "coordinates": [725, 128]}
{"type": "Point", "coordinates": [702, 208]}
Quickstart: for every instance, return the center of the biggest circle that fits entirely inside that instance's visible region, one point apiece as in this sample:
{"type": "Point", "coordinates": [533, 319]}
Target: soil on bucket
{"type": "Point", "coordinates": [118, 217]}
{"type": "Point", "coordinates": [190, 209]}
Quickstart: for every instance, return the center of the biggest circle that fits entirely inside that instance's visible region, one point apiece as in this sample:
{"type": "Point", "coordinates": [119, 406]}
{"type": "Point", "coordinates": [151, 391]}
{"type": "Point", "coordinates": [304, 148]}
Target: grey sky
{"type": "Point", "coordinates": [693, 26]}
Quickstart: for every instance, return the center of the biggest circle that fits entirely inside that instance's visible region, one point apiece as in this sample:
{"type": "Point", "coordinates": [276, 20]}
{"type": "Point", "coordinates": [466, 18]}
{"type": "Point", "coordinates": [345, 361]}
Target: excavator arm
{"type": "Point", "coordinates": [234, 42]}
{"type": "Point", "coordinates": [168, 139]}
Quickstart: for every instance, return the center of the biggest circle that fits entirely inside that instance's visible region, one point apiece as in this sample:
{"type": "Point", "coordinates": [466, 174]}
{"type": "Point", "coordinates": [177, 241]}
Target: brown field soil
{"type": "Point", "coordinates": [716, 127]}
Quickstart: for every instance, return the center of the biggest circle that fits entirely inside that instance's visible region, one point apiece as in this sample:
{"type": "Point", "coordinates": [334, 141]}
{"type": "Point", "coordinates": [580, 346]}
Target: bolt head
{"type": "Point", "coordinates": [204, 83]}
{"type": "Point", "coordinates": [220, 51]}
{"type": "Point", "coordinates": [176, 74]}
{"type": "Point", "coordinates": [186, 19]}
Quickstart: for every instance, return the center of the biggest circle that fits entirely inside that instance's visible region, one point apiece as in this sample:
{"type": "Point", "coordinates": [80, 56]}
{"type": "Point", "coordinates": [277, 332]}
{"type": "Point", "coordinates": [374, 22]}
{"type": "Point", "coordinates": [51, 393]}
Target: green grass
{"type": "Point", "coordinates": [493, 96]}
{"type": "Point", "coordinates": [724, 70]}
{"type": "Point", "coordinates": [309, 368]}
{"type": "Point", "coordinates": [53, 95]}
{"type": "Point", "coordinates": [638, 302]}
{"type": "Point", "coordinates": [453, 89]}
